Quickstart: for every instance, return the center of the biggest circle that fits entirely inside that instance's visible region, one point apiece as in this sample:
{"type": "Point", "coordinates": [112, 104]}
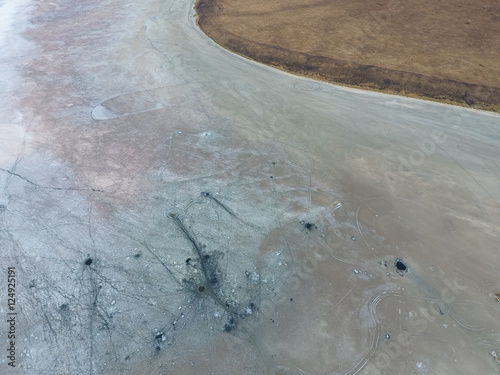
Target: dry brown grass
{"type": "Point", "coordinates": [443, 50]}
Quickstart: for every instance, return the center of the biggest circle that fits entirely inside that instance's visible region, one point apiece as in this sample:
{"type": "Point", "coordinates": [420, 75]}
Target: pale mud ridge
{"type": "Point", "coordinates": [172, 208]}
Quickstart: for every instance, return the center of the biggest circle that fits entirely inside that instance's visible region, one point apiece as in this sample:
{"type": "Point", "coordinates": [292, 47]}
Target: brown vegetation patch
{"type": "Point", "coordinates": [442, 50]}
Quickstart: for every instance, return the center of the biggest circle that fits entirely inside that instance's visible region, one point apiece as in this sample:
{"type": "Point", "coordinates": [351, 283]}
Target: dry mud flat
{"type": "Point", "coordinates": [442, 50]}
{"type": "Point", "coordinates": [172, 208]}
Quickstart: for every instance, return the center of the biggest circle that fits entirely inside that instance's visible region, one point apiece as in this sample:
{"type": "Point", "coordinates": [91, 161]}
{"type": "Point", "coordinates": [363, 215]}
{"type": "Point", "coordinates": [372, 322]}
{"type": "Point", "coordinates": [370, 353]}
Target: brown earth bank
{"type": "Point", "coordinates": [441, 50]}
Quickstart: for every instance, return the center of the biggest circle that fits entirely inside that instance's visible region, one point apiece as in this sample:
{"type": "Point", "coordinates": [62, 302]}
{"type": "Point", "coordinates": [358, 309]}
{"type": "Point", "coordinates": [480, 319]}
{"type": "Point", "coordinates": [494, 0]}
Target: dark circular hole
{"type": "Point", "coordinates": [309, 226]}
{"type": "Point", "coordinates": [89, 261]}
{"type": "Point", "coordinates": [201, 288]}
{"type": "Point", "coordinates": [137, 256]}
{"type": "Point", "coordinates": [401, 266]}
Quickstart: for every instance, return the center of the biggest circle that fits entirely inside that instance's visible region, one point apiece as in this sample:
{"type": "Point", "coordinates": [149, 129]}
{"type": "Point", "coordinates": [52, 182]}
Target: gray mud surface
{"type": "Point", "coordinates": [172, 208]}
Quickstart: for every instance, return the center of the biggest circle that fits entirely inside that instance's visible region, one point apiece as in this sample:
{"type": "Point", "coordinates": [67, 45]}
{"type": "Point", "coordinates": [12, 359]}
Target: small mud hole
{"type": "Point", "coordinates": [401, 266]}
{"type": "Point", "coordinates": [308, 226]}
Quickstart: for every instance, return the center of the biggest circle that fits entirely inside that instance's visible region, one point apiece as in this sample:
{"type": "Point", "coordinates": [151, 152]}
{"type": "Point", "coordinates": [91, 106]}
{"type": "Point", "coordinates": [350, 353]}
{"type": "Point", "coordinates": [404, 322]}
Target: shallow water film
{"type": "Point", "coordinates": [168, 207]}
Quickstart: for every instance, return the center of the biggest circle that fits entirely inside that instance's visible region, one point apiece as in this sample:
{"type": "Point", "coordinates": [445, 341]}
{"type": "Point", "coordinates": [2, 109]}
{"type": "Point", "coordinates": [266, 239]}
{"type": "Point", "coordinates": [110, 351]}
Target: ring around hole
{"type": "Point", "coordinates": [400, 265]}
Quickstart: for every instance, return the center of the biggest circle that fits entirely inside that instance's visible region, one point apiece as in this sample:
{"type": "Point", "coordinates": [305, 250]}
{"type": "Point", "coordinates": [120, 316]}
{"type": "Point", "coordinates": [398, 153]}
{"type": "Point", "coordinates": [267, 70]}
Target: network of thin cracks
{"type": "Point", "coordinates": [202, 281]}
{"type": "Point", "coordinates": [207, 280]}
{"type": "Point", "coordinates": [84, 302]}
